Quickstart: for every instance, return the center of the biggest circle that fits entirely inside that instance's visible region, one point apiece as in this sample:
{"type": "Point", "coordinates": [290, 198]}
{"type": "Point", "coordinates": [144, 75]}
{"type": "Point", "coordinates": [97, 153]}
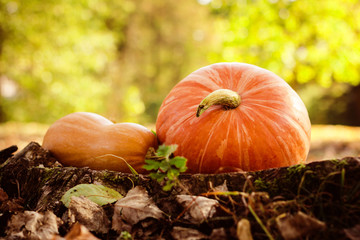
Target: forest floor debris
{"type": "Point", "coordinates": [321, 197]}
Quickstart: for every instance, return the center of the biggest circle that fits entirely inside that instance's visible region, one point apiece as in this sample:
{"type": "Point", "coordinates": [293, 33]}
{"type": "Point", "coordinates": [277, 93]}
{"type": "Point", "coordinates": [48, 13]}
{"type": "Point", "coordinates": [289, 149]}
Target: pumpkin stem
{"type": "Point", "coordinates": [225, 97]}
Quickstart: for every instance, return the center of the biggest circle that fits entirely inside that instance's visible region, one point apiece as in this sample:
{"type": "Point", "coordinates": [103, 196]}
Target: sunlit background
{"type": "Point", "coordinates": [120, 58]}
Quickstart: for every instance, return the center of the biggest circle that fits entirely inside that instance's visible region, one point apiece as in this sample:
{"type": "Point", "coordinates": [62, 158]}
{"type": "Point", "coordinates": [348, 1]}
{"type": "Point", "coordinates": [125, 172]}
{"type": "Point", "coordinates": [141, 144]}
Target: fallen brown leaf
{"type": "Point", "coordinates": [89, 214]}
{"type": "Point", "coordinates": [198, 209]}
{"type": "Point", "coordinates": [353, 233]}
{"type": "Point", "coordinates": [12, 205]}
{"type": "Point", "coordinates": [221, 188]}
{"type": "Point", "coordinates": [32, 225]}
{"type": "Point", "coordinates": [79, 232]}
{"type": "Point", "coordinates": [181, 233]}
{"type": "Point", "coordinates": [298, 225]}
{"type": "Point", "coordinates": [133, 208]}
{"type": "Point", "coordinates": [3, 195]}
{"type": "Point", "coordinates": [218, 234]}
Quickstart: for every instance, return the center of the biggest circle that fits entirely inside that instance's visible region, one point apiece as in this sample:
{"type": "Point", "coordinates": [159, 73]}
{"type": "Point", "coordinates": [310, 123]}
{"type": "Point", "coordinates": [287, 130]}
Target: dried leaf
{"type": "Point", "coordinates": [181, 233]}
{"type": "Point", "coordinates": [353, 233]}
{"type": "Point", "coordinates": [88, 213]}
{"type": "Point", "coordinates": [12, 205]}
{"type": "Point", "coordinates": [218, 234]}
{"type": "Point", "coordinates": [199, 209]}
{"type": "Point", "coordinates": [133, 208]}
{"type": "Point", "coordinates": [97, 193]}
{"type": "Point", "coordinates": [221, 188]}
{"type": "Point", "coordinates": [298, 225]}
{"type": "Point", "coordinates": [243, 230]}
{"type": "Point", "coordinates": [3, 195]}
{"type": "Point", "coordinates": [79, 232]}
{"type": "Point", "coordinates": [32, 225]}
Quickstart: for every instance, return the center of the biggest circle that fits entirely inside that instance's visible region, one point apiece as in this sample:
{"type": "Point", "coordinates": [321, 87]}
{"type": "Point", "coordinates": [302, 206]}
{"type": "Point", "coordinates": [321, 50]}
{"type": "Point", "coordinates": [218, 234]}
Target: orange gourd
{"type": "Point", "coordinates": [85, 139]}
{"type": "Point", "coordinates": [231, 116]}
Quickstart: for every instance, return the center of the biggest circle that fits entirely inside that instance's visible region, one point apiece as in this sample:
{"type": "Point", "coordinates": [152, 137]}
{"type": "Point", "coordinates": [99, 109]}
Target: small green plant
{"type": "Point", "coordinates": [165, 168]}
{"type": "Point", "coordinates": [125, 235]}
{"type": "Point", "coordinates": [297, 169]}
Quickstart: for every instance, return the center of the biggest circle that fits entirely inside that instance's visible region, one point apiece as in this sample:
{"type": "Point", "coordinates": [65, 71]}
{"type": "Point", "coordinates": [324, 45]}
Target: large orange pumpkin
{"type": "Point", "coordinates": [231, 116]}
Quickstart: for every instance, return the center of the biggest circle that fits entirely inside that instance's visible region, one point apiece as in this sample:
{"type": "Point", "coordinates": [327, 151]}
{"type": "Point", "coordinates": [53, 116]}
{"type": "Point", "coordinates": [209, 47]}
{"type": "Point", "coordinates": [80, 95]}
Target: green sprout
{"type": "Point", "coordinates": [164, 167]}
{"type": "Point", "coordinates": [125, 235]}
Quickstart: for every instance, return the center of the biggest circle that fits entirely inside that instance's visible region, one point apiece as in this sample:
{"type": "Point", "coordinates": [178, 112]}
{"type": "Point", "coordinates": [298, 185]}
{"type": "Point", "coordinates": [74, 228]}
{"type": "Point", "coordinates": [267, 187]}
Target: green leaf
{"type": "Point", "coordinates": [158, 176]}
{"type": "Point", "coordinates": [165, 166]}
{"type": "Point", "coordinates": [183, 169]}
{"type": "Point", "coordinates": [125, 235]}
{"type": "Point", "coordinates": [151, 164]}
{"type": "Point", "coordinates": [179, 162]}
{"type": "Point", "coordinates": [173, 173]}
{"type": "Point", "coordinates": [97, 193]}
{"type": "Point", "coordinates": [168, 186]}
{"type": "Point", "coordinates": [166, 151]}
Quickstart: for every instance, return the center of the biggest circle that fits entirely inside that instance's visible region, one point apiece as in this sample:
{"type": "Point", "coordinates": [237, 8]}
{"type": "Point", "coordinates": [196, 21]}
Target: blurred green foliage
{"type": "Point", "coordinates": [121, 58]}
{"type": "Point", "coordinates": [302, 41]}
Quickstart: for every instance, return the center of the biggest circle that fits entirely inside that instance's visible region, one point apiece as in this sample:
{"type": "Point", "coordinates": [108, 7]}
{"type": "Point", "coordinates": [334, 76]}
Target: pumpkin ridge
{"type": "Point", "coordinates": [179, 123]}
{"type": "Point", "coordinates": [245, 143]}
{"type": "Point", "coordinates": [204, 79]}
{"type": "Point", "coordinates": [241, 84]}
{"type": "Point", "coordinates": [303, 134]}
{"type": "Point", "coordinates": [239, 144]}
{"type": "Point", "coordinates": [186, 86]}
{"type": "Point", "coordinates": [291, 121]}
{"type": "Point", "coordinates": [256, 89]}
{"type": "Point", "coordinates": [247, 77]}
{"type": "Point", "coordinates": [211, 131]}
{"type": "Point", "coordinates": [283, 114]}
{"type": "Point", "coordinates": [283, 145]}
{"type": "Point", "coordinates": [215, 76]}
{"type": "Point", "coordinates": [231, 76]}
{"type": "Point", "coordinates": [249, 119]}
{"type": "Point", "coordinates": [260, 101]}
{"type": "Point", "coordinates": [231, 119]}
